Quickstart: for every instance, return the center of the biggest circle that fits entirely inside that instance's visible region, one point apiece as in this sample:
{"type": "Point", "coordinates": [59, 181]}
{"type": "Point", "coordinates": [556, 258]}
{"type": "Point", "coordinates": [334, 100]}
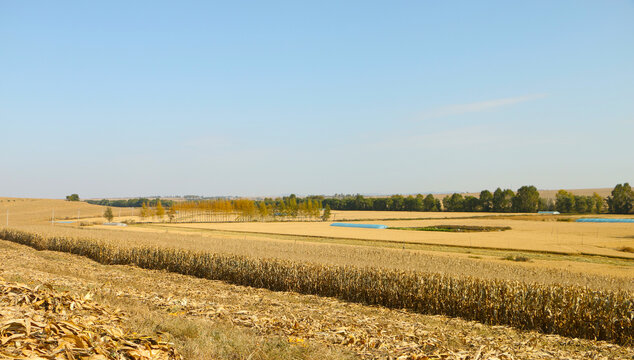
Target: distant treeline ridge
{"type": "Point", "coordinates": [525, 200]}
{"type": "Point", "coordinates": [135, 202]}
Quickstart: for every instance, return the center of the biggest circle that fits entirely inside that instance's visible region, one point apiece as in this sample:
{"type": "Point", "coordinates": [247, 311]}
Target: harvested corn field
{"type": "Point", "coordinates": [209, 319]}
{"type": "Point", "coordinates": [39, 323]}
{"type": "Point", "coordinates": [589, 271]}
{"type": "Point", "coordinates": [564, 310]}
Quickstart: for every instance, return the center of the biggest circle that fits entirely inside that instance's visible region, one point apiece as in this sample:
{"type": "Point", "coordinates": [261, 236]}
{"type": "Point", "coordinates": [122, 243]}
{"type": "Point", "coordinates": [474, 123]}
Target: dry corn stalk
{"type": "Point", "coordinates": [43, 324]}
{"type": "Point", "coordinates": [565, 310]}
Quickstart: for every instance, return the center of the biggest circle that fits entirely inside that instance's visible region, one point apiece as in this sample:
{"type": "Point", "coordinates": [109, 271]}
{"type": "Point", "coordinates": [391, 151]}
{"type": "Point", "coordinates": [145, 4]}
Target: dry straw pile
{"type": "Point", "coordinates": [43, 324]}
{"type": "Point", "coordinates": [565, 310]}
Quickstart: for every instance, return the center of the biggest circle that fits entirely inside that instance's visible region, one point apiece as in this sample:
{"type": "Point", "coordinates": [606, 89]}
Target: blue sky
{"type": "Point", "coordinates": [122, 98]}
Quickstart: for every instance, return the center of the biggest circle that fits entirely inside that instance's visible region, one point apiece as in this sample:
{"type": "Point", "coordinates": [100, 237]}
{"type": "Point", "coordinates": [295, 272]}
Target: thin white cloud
{"type": "Point", "coordinates": [459, 109]}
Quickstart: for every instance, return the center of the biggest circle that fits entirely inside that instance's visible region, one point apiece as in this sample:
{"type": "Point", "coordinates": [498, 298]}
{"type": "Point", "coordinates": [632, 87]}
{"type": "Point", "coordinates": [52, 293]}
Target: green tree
{"type": "Point", "coordinates": [72, 197]}
{"type": "Point", "coordinates": [502, 200]}
{"type": "Point", "coordinates": [108, 214]}
{"type": "Point", "coordinates": [455, 202]}
{"type": "Point", "coordinates": [413, 203]}
{"type": "Point", "coordinates": [397, 203]}
{"type": "Point", "coordinates": [622, 199]}
{"type": "Point", "coordinates": [564, 201]}
{"type": "Point", "coordinates": [486, 200]}
{"type": "Point", "coordinates": [583, 204]}
{"type": "Point", "coordinates": [326, 215]}
{"type": "Point", "coordinates": [526, 200]}
{"type": "Point", "coordinates": [379, 204]}
{"type": "Point", "coordinates": [430, 203]}
{"type": "Point", "coordinates": [598, 203]}
{"type": "Point", "coordinates": [471, 204]}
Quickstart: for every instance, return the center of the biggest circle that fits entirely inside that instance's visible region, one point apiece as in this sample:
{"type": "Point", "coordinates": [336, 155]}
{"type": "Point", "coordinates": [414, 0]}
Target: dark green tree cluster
{"type": "Point", "coordinates": [72, 197]}
{"type": "Point", "coordinates": [392, 203]}
{"type": "Point", "coordinates": [135, 202]}
{"type": "Point", "coordinates": [622, 199]}
{"type": "Point", "coordinates": [525, 200]}
{"type": "Point", "coordinates": [566, 202]}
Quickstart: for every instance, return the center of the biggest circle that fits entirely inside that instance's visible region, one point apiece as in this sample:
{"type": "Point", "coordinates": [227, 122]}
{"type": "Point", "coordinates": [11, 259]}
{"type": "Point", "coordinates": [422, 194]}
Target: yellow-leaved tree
{"type": "Point", "coordinates": [144, 211]}
{"type": "Point", "coordinates": [160, 211]}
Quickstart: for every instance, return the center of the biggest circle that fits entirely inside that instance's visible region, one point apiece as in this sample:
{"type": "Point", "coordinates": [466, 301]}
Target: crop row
{"type": "Point", "coordinates": [571, 311]}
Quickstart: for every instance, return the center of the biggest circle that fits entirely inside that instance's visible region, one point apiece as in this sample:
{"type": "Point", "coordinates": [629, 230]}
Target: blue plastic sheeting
{"type": "Point", "coordinates": [607, 220]}
{"type": "Point", "coordinates": [64, 222]}
{"type": "Point", "coordinates": [115, 224]}
{"type": "Point", "coordinates": [367, 226]}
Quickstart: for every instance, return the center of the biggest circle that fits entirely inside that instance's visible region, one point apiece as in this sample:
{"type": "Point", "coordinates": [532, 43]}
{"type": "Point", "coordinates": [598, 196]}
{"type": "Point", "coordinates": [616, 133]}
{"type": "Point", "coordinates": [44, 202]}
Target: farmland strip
{"type": "Point", "coordinates": [565, 310]}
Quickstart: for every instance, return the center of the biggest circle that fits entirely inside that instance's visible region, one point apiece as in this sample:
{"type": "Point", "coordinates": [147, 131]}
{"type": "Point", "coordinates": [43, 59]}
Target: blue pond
{"type": "Point", "coordinates": [598, 220]}
{"type": "Point", "coordinates": [366, 226]}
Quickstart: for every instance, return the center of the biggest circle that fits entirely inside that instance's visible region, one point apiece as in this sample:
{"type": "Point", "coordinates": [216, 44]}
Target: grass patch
{"type": "Point", "coordinates": [517, 258]}
{"type": "Point", "coordinates": [455, 228]}
{"type": "Point", "coordinates": [627, 249]}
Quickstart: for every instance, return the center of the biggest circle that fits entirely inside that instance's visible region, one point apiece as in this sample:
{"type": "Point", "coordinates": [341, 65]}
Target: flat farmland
{"type": "Point", "coordinates": [22, 211]}
{"type": "Point", "coordinates": [604, 239]}
{"type": "Point", "coordinates": [352, 215]}
{"type": "Point", "coordinates": [250, 251]}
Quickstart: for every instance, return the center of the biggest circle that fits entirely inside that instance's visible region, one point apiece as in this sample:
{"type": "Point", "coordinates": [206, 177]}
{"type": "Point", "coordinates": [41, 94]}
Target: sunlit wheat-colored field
{"type": "Point", "coordinates": [549, 236]}
{"type": "Point", "coordinates": [609, 274]}
{"type": "Point", "coordinates": [22, 211]}
{"type": "Point", "coordinates": [207, 319]}
{"type": "Point", "coordinates": [343, 215]}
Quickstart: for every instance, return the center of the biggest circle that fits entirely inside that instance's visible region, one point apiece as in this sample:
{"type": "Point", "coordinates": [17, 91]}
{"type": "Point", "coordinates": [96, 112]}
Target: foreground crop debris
{"type": "Point", "coordinates": [39, 323]}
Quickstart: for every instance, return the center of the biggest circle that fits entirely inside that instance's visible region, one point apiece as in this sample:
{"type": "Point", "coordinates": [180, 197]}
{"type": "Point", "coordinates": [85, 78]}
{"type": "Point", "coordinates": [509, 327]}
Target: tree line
{"type": "Point", "coordinates": [279, 209]}
{"type": "Point", "coordinates": [525, 200]}
{"type": "Point", "coordinates": [134, 202]}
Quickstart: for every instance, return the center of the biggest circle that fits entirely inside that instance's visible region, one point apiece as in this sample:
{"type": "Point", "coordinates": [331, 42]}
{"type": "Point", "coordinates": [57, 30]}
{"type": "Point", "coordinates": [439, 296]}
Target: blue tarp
{"type": "Point", "coordinates": [115, 224]}
{"type": "Point", "coordinates": [367, 226]}
{"type": "Point", "coordinates": [603, 220]}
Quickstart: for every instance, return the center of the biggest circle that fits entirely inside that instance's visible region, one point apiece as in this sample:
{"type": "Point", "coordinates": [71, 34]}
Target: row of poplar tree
{"type": "Point", "coordinates": [525, 200]}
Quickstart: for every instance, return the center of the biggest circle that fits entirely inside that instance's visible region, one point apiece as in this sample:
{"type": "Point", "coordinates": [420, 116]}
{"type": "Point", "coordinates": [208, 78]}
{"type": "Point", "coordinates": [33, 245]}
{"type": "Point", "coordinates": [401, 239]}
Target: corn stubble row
{"type": "Point", "coordinates": [39, 323]}
{"type": "Point", "coordinates": [571, 311]}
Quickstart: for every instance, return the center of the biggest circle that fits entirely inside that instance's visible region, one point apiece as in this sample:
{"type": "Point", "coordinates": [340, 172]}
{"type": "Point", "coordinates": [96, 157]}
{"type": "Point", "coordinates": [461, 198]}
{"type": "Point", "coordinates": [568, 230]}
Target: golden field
{"type": "Point", "coordinates": [207, 319]}
{"type": "Point", "coordinates": [567, 310]}
{"type": "Point", "coordinates": [594, 272]}
{"type": "Point", "coordinates": [554, 253]}
{"type": "Point", "coordinates": [352, 215]}
{"type": "Point", "coordinates": [548, 236]}
{"type": "Point", "coordinates": [38, 211]}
